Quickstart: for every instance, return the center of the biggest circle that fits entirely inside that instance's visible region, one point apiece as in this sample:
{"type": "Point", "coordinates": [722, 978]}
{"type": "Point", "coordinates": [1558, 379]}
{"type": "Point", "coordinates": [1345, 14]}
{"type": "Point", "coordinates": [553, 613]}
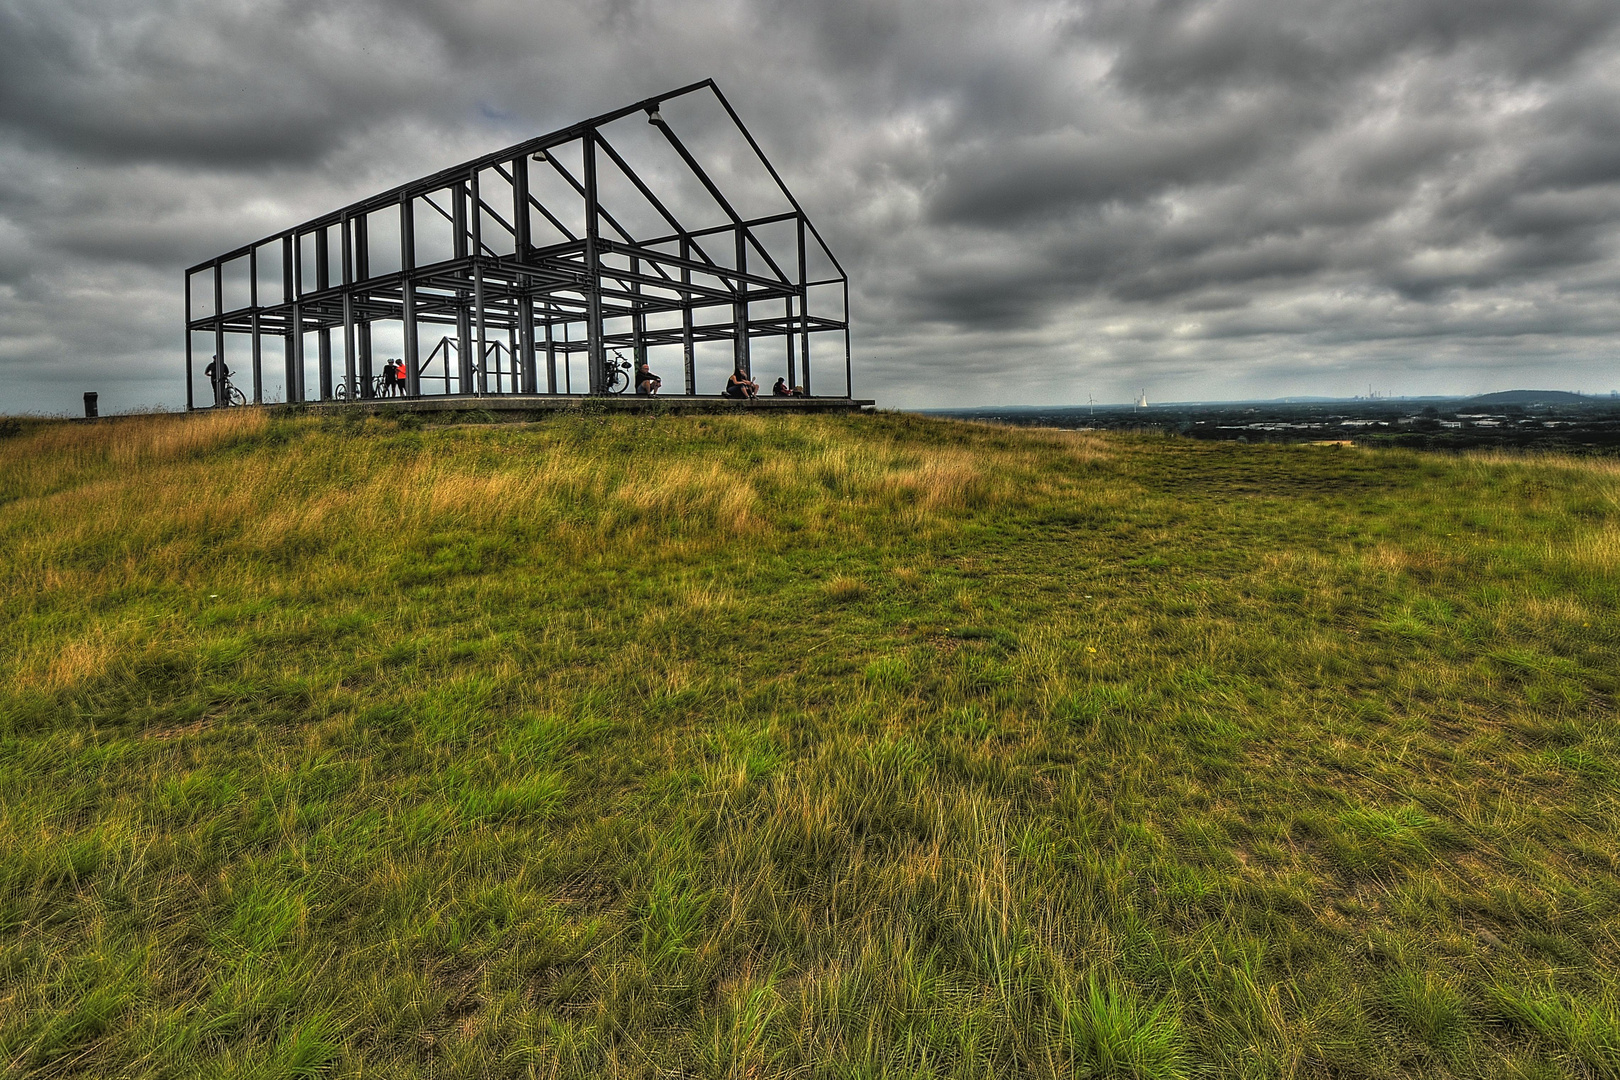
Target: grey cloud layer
{"type": "Point", "coordinates": [1034, 198]}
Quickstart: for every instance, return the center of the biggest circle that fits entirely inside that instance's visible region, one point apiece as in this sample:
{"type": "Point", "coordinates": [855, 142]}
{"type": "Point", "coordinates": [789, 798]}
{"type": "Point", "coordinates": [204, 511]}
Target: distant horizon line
{"type": "Point", "coordinates": [1292, 399]}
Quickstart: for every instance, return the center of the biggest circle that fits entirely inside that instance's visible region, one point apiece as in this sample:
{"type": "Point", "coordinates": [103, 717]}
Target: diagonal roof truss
{"type": "Point", "coordinates": [603, 237]}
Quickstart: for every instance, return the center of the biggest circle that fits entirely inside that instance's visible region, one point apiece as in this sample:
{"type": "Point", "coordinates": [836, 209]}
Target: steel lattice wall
{"type": "Point", "coordinates": [594, 287]}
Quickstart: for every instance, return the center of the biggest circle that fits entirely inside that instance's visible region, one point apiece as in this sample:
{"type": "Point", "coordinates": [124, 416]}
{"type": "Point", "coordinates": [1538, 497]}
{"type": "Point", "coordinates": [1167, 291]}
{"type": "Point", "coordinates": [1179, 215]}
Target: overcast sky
{"type": "Point", "coordinates": [1037, 201]}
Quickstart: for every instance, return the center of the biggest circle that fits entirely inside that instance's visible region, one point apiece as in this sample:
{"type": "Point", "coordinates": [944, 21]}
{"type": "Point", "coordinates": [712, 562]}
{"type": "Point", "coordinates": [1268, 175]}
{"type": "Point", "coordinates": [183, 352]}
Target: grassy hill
{"type": "Point", "coordinates": [878, 746]}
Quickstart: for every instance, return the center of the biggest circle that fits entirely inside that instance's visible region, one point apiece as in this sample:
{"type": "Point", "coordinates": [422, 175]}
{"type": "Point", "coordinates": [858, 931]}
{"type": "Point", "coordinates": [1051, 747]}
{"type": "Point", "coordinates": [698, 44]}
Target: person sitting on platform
{"type": "Point", "coordinates": [646, 381]}
{"type": "Point", "coordinates": [740, 386]}
{"type": "Point", "coordinates": [781, 389]}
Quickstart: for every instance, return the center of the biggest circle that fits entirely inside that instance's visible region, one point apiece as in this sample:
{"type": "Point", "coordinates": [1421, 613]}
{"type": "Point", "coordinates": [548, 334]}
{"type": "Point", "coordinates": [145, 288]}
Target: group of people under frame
{"type": "Point", "coordinates": [393, 376]}
{"type": "Point", "coordinates": [738, 385]}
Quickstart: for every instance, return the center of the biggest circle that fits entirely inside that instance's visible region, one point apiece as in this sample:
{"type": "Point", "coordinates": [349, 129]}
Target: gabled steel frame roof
{"type": "Point", "coordinates": [530, 293]}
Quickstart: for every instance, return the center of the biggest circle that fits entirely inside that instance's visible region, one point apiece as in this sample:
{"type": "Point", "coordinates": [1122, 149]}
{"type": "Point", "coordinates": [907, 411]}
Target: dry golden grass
{"type": "Point", "coordinates": [1596, 550]}
{"type": "Point", "coordinates": [63, 666]}
{"type": "Point", "coordinates": [844, 587]}
{"type": "Point", "coordinates": [54, 454]}
{"type": "Point", "coordinates": [1589, 466]}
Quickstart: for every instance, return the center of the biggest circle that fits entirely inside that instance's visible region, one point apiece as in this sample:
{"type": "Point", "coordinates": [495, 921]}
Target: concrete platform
{"type": "Point", "coordinates": [536, 406]}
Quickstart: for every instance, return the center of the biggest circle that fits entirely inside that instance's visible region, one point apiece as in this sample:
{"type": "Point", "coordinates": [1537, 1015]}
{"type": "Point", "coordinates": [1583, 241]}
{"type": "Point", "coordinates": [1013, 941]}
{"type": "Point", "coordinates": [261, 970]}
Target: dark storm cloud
{"type": "Point", "coordinates": [1035, 198]}
{"type": "Point", "coordinates": [243, 84]}
{"type": "Point", "coordinates": [1180, 49]}
{"type": "Point", "coordinates": [1420, 153]}
{"type": "Point", "coordinates": [1019, 181]}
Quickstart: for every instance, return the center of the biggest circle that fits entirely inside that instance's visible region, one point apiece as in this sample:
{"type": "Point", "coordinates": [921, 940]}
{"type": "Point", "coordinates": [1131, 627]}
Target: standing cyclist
{"type": "Point", "coordinates": [218, 374]}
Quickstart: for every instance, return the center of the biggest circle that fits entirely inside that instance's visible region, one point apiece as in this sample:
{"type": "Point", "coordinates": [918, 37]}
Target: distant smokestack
{"type": "Point", "coordinates": [90, 404]}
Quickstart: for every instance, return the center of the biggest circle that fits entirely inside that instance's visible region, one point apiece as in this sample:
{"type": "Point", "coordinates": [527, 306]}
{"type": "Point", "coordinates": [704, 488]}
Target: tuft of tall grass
{"type": "Point", "coordinates": [1111, 1033]}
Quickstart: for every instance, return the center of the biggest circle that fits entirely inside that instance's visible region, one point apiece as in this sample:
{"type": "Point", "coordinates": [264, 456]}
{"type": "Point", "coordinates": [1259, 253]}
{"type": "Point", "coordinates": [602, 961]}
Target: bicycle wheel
{"type": "Point", "coordinates": [618, 382]}
{"type": "Point", "coordinates": [236, 397]}
{"type": "Point", "coordinates": [341, 391]}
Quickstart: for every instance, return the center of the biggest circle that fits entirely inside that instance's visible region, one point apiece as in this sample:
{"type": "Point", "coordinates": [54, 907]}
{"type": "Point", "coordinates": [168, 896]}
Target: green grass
{"type": "Point", "coordinates": [865, 747]}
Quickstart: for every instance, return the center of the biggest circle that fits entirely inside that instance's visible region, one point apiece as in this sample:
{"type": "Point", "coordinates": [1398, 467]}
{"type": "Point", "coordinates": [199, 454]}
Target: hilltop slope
{"type": "Point", "coordinates": [1531, 397]}
{"type": "Point", "coordinates": [824, 747]}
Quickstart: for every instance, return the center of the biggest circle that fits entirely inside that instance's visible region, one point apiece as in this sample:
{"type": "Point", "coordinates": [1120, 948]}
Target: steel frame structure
{"type": "Point", "coordinates": [531, 295]}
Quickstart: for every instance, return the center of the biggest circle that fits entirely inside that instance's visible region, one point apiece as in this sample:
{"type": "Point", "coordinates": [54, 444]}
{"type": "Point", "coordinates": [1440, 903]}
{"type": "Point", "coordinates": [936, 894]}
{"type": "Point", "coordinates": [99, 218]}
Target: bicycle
{"type": "Point", "coordinates": [230, 394]}
{"type": "Point", "coordinates": [618, 373]}
{"type": "Point", "coordinates": [343, 391]}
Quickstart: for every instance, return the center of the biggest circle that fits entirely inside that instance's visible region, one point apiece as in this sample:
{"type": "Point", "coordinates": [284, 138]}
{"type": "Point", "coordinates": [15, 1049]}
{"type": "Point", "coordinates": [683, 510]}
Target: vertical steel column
{"type": "Point", "coordinates": [407, 275]}
{"type": "Point", "coordinates": [688, 355]}
{"type": "Point", "coordinates": [804, 308]}
{"type": "Point", "coordinates": [299, 392]}
{"type": "Point", "coordinates": [551, 355]}
{"type": "Point", "coordinates": [529, 380]}
{"type": "Point", "coordinates": [323, 360]}
{"type": "Point", "coordinates": [517, 367]}
{"type": "Point", "coordinates": [464, 345]}
{"type": "Point", "coordinates": [739, 309]}
{"type": "Point", "coordinates": [323, 337]}
{"type": "Point", "coordinates": [287, 360]}
{"type": "Point", "coordinates": [595, 354]}
{"type": "Point", "coordinates": [258, 350]}
{"type": "Point", "coordinates": [289, 296]}
{"type": "Point", "coordinates": [219, 332]}
{"type": "Point", "coordinates": [191, 401]}
{"type": "Point", "coordinates": [349, 385]}
{"type": "Point", "coordinates": [520, 208]}
{"type": "Point", "coordinates": [477, 207]}
{"type": "Point", "coordinates": [362, 331]}
{"type": "Point", "coordinates": [638, 324]}
{"type": "Point", "coordinates": [793, 374]}
{"type": "Point", "coordinates": [362, 274]}
{"type": "Point", "coordinates": [849, 372]}
{"type": "Point", "coordinates": [568, 362]}
{"type": "Point", "coordinates": [466, 364]}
